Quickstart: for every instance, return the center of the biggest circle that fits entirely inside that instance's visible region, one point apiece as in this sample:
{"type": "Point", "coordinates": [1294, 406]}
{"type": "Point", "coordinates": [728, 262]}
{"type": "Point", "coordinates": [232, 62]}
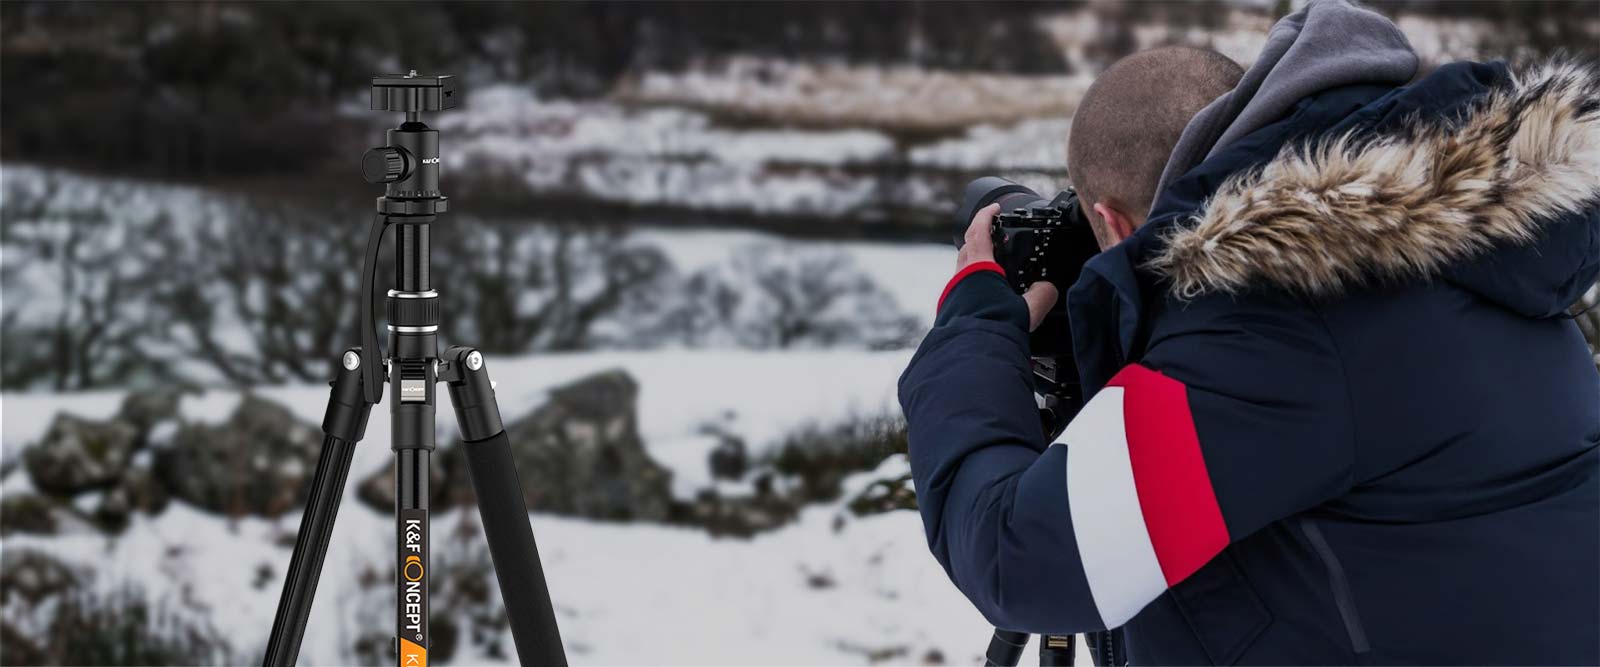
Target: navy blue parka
{"type": "Point", "coordinates": [1338, 412]}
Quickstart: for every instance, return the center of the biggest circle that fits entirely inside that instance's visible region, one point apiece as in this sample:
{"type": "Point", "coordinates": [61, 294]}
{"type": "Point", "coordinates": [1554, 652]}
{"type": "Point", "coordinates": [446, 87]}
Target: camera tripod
{"type": "Point", "coordinates": [409, 165]}
{"type": "Point", "coordinates": [1056, 387]}
{"type": "Point", "coordinates": [1005, 648]}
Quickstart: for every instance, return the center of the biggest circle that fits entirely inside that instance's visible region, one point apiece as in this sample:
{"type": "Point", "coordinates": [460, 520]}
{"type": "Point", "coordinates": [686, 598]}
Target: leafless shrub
{"type": "Point", "coordinates": [518, 288]}
{"type": "Point", "coordinates": [73, 315]}
{"type": "Point", "coordinates": [269, 293]}
{"type": "Point", "coordinates": [55, 616]}
{"type": "Point", "coordinates": [768, 296]}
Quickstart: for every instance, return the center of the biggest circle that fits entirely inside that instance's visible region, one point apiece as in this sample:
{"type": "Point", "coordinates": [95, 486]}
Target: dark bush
{"type": "Point", "coordinates": [73, 315]}
{"type": "Point", "coordinates": [822, 456]}
{"type": "Point", "coordinates": [775, 297]}
{"type": "Point", "coordinates": [123, 627]}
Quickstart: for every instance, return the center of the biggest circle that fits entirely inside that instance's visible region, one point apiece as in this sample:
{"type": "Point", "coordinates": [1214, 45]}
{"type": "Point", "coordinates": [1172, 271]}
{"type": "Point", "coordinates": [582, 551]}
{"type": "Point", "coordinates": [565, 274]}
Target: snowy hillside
{"type": "Point", "coordinates": [828, 589]}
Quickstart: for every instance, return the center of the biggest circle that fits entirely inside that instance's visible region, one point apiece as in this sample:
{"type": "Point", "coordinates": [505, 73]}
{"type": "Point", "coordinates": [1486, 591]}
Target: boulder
{"type": "Point", "coordinates": [33, 587]}
{"type": "Point", "coordinates": [580, 453]}
{"type": "Point", "coordinates": [30, 513]}
{"type": "Point", "coordinates": [138, 491]}
{"type": "Point", "coordinates": [30, 576]}
{"type": "Point", "coordinates": [730, 459]}
{"type": "Point", "coordinates": [376, 490]}
{"type": "Point", "coordinates": [259, 462]}
{"type": "Point", "coordinates": [885, 495]}
{"type": "Point", "coordinates": [145, 409]}
{"type": "Point", "coordinates": [78, 454]}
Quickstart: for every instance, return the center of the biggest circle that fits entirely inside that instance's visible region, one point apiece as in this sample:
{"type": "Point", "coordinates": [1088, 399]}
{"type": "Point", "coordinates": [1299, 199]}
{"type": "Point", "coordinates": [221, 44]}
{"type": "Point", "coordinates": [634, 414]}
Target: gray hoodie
{"type": "Point", "coordinates": [1329, 43]}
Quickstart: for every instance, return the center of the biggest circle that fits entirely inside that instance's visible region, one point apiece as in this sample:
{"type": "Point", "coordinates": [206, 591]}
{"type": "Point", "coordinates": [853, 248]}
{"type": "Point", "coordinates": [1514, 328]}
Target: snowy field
{"type": "Point", "coordinates": [625, 593]}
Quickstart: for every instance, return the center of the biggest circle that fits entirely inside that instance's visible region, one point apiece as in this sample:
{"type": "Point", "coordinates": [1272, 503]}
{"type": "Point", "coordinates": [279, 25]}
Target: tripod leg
{"type": "Point", "coordinates": [1005, 648]}
{"type": "Point", "coordinates": [344, 424]}
{"type": "Point", "coordinates": [505, 516]}
{"type": "Point", "coordinates": [1107, 648]}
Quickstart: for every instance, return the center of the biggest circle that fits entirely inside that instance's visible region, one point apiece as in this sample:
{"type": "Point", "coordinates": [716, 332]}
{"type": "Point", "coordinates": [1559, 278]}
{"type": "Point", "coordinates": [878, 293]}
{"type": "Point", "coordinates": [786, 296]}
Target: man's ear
{"type": "Point", "coordinates": [1117, 224]}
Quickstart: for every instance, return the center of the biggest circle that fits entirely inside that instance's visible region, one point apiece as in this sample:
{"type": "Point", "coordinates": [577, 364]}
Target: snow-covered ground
{"type": "Point", "coordinates": [625, 593]}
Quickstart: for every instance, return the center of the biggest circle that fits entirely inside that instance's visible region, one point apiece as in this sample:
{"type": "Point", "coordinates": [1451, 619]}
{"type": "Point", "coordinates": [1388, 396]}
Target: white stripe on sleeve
{"type": "Point", "coordinates": [1118, 558]}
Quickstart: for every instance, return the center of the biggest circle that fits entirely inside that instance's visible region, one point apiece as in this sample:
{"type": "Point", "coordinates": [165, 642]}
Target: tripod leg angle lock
{"type": "Point", "coordinates": [412, 366]}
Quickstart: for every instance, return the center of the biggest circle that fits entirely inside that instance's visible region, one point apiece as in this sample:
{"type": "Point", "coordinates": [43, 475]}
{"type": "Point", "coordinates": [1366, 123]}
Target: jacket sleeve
{"type": "Point", "coordinates": [1232, 420]}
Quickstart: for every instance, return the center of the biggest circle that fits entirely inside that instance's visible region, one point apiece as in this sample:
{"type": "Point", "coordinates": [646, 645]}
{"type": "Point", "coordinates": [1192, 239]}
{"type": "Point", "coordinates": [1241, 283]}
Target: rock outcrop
{"type": "Point", "coordinates": [579, 454]}
{"type": "Point", "coordinates": [78, 454]}
{"type": "Point", "coordinates": [258, 462]}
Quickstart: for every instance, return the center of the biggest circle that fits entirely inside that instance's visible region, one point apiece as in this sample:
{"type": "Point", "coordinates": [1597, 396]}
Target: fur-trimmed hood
{"type": "Point", "coordinates": [1350, 210]}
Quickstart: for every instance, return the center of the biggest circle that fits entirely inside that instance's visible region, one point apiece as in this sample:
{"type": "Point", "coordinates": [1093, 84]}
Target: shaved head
{"type": "Point", "coordinates": [1131, 118]}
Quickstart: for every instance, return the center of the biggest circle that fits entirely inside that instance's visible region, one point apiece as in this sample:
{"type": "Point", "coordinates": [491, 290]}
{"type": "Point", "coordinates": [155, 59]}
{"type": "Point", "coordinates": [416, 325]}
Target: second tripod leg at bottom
{"type": "Point", "coordinates": [505, 515]}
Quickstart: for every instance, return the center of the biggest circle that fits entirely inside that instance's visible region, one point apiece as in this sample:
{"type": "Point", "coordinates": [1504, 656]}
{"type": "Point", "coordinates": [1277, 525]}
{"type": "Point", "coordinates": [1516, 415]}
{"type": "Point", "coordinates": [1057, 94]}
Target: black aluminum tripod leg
{"type": "Point", "coordinates": [505, 515]}
{"type": "Point", "coordinates": [344, 423]}
{"type": "Point", "coordinates": [1005, 648]}
{"type": "Point", "coordinates": [516, 556]}
{"type": "Point", "coordinates": [1107, 647]}
{"type": "Point", "coordinates": [310, 547]}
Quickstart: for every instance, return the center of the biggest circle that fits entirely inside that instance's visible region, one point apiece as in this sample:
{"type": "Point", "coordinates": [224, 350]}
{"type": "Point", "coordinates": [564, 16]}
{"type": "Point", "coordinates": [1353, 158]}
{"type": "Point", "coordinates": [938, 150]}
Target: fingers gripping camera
{"type": "Point", "coordinates": [1035, 239]}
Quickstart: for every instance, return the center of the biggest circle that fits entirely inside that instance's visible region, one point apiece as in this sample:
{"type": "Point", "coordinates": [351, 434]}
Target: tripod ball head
{"type": "Point", "coordinates": [409, 164]}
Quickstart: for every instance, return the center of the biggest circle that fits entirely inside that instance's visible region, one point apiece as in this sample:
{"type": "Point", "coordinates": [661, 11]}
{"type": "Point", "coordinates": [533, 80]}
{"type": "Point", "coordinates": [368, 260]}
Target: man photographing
{"type": "Point", "coordinates": [1337, 410]}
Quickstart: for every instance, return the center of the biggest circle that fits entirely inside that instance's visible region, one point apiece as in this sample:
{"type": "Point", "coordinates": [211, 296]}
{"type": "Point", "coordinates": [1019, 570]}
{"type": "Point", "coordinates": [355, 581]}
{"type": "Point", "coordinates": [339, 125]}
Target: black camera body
{"type": "Point", "coordinates": [1038, 239]}
{"type": "Point", "coordinates": [1034, 238]}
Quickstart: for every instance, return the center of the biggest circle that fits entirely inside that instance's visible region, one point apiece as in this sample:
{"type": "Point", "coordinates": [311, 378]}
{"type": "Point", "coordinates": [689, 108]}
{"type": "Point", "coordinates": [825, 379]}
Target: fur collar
{"type": "Point", "coordinates": [1350, 210]}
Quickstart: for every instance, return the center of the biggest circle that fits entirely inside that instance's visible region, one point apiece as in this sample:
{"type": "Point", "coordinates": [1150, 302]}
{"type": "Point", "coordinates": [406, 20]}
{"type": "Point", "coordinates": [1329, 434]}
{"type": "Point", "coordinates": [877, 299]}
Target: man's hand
{"type": "Point", "coordinates": [979, 247]}
{"type": "Point", "coordinates": [1041, 297]}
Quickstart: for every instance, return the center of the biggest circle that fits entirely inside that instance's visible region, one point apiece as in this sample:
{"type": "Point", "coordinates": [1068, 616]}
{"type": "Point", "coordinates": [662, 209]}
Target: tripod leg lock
{"type": "Point", "coordinates": [348, 409]}
{"type": "Point", "coordinates": [471, 393]}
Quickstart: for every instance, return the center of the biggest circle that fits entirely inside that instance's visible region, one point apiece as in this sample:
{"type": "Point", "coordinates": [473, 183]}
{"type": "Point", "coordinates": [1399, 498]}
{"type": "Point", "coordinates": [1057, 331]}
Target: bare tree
{"type": "Point", "coordinates": [774, 296]}
{"type": "Point", "coordinates": [269, 293]}
{"type": "Point", "coordinates": [517, 288]}
{"type": "Point", "coordinates": [74, 316]}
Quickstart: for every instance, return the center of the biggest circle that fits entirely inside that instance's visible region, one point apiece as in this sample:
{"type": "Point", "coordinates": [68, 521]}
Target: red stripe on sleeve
{"type": "Point", "coordinates": [962, 275]}
{"type": "Point", "coordinates": [1169, 473]}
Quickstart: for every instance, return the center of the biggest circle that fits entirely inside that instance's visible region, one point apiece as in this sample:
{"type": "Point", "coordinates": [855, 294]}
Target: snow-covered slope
{"type": "Point", "coordinates": [828, 589]}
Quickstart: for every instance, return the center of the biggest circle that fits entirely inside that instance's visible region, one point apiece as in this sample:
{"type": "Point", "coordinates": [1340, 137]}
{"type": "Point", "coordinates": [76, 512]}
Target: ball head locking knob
{"type": "Point", "coordinates": [383, 165]}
